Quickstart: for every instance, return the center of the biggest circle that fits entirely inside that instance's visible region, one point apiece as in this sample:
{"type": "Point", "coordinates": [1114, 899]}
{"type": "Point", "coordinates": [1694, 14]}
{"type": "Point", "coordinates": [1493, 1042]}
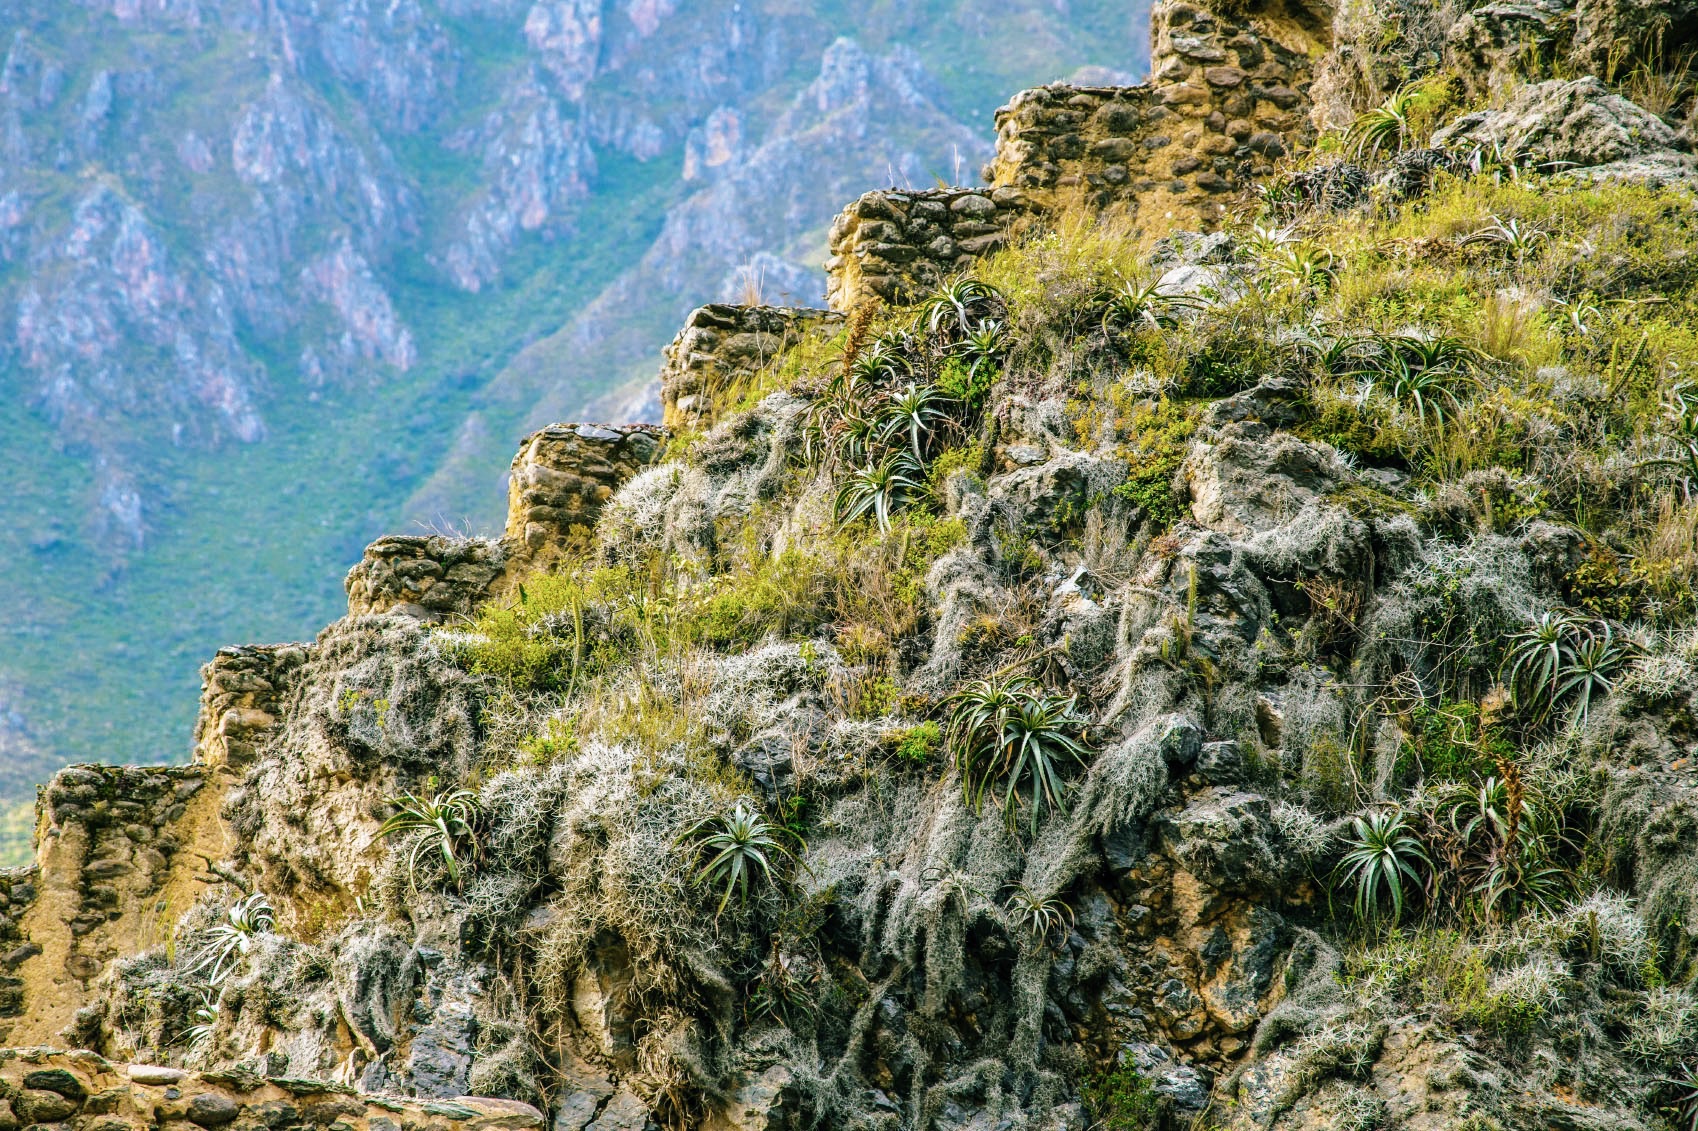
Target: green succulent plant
{"type": "Point", "coordinates": [447, 824]}
{"type": "Point", "coordinates": [1384, 855]}
{"type": "Point", "coordinates": [740, 847]}
{"type": "Point", "coordinates": [1009, 734]}
{"type": "Point", "coordinates": [880, 489]}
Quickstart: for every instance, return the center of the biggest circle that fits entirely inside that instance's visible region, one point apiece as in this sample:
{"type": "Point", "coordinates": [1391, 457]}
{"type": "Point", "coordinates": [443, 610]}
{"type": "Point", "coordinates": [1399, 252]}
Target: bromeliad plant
{"type": "Point", "coordinates": [1501, 846]}
{"type": "Point", "coordinates": [446, 825]}
{"type": "Point", "coordinates": [740, 847]}
{"type": "Point", "coordinates": [960, 307]}
{"type": "Point", "coordinates": [1137, 306]}
{"type": "Point", "coordinates": [1384, 856]}
{"type": "Point", "coordinates": [1423, 372]}
{"type": "Point", "coordinates": [1037, 916]}
{"type": "Point", "coordinates": [1388, 128]}
{"type": "Point", "coordinates": [880, 489]}
{"type": "Point", "coordinates": [1562, 656]}
{"type": "Point", "coordinates": [897, 402]}
{"type": "Point", "coordinates": [1010, 735]}
{"type": "Point", "coordinates": [232, 939]}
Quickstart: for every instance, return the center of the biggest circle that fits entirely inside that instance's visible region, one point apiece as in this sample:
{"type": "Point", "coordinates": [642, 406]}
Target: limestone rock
{"type": "Point", "coordinates": [1248, 479]}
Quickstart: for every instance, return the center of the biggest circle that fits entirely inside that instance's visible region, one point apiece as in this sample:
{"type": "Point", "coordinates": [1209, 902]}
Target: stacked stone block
{"type": "Point", "coordinates": [125, 815]}
{"type": "Point", "coordinates": [1226, 100]}
{"type": "Point", "coordinates": [241, 697]}
{"type": "Point", "coordinates": [429, 577]}
{"type": "Point", "coordinates": [562, 477]}
{"type": "Point", "coordinates": [46, 1088]}
{"type": "Point", "coordinates": [721, 343]}
{"type": "Point", "coordinates": [17, 892]}
{"type": "Point", "coordinates": [895, 245]}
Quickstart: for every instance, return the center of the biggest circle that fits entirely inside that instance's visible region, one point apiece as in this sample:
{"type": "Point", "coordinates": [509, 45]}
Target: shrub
{"type": "Point", "coordinates": [1157, 436]}
{"type": "Point", "coordinates": [916, 745]}
{"type": "Point", "coordinates": [1121, 1099]}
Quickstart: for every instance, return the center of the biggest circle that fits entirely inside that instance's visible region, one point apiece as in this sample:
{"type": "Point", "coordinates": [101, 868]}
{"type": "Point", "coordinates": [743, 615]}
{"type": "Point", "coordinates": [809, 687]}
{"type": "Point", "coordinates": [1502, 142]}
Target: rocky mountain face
{"type": "Point", "coordinates": [1185, 639]}
{"type": "Point", "coordinates": [243, 242]}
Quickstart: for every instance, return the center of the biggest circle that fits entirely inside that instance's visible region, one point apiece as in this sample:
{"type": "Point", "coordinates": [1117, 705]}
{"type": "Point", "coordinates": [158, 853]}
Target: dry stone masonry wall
{"type": "Point", "coordinates": [430, 577]}
{"type": "Point", "coordinates": [121, 858]}
{"type": "Point", "coordinates": [721, 343]}
{"type": "Point", "coordinates": [896, 244]}
{"type": "Point", "coordinates": [42, 1088]}
{"type": "Point", "coordinates": [241, 698]}
{"type": "Point", "coordinates": [562, 477]}
{"type": "Point", "coordinates": [17, 892]}
{"type": "Point", "coordinates": [1227, 98]}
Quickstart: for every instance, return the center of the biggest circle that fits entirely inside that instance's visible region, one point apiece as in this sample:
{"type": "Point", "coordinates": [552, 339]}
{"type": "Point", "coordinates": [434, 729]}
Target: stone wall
{"type": "Point", "coordinates": [1227, 98]}
{"type": "Point", "coordinates": [241, 696]}
{"type": "Point", "coordinates": [429, 577]}
{"type": "Point", "coordinates": [44, 1088]}
{"type": "Point", "coordinates": [721, 343]}
{"type": "Point", "coordinates": [120, 857]}
{"type": "Point", "coordinates": [17, 892]}
{"type": "Point", "coordinates": [562, 477]}
{"type": "Point", "coordinates": [895, 245]}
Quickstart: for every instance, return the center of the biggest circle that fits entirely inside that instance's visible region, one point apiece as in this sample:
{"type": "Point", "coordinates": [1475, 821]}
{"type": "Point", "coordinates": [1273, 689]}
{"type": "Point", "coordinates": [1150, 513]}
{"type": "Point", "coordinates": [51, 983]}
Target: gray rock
{"type": "Point", "coordinates": [1557, 125]}
{"type": "Point", "coordinates": [1220, 763]}
{"type": "Point", "coordinates": [624, 1112]}
{"type": "Point", "coordinates": [210, 1109]}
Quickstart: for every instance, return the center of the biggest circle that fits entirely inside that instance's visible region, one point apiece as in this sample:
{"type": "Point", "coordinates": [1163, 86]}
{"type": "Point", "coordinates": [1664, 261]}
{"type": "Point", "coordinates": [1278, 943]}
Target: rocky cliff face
{"type": "Point", "coordinates": [1162, 678]}
{"type": "Point", "coordinates": [272, 236]}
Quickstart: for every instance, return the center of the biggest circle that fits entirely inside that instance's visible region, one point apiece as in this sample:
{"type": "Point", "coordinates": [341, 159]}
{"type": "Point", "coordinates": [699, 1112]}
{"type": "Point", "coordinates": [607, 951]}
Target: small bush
{"type": "Point", "coordinates": [1121, 1099]}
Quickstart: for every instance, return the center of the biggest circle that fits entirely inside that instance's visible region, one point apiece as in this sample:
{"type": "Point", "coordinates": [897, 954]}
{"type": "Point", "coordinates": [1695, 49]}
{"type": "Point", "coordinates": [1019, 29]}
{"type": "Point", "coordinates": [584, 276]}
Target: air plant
{"type": "Point", "coordinates": [1011, 733]}
{"type": "Point", "coordinates": [958, 306]}
{"type": "Point", "coordinates": [740, 846]}
{"type": "Point", "coordinates": [1139, 305]}
{"type": "Point", "coordinates": [913, 417]}
{"type": "Point", "coordinates": [1037, 916]}
{"type": "Point", "coordinates": [232, 939]}
{"type": "Point", "coordinates": [1387, 126]}
{"type": "Point", "coordinates": [446, 824]}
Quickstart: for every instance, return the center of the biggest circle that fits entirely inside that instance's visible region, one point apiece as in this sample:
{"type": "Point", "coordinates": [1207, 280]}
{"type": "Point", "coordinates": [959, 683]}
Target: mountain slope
{"type": "Point", "coordinates": [278, 276]}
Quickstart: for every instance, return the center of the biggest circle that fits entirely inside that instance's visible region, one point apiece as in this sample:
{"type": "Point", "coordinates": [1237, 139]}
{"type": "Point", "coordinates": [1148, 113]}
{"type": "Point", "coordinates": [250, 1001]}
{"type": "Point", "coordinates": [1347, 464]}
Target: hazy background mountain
{"type": "Point", "coordinates": [277, 276]}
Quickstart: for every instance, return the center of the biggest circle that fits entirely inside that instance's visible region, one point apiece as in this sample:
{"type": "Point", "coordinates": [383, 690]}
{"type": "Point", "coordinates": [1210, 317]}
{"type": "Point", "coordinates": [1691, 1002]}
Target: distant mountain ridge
{"type": "Point", "coordinates": [277, 275]}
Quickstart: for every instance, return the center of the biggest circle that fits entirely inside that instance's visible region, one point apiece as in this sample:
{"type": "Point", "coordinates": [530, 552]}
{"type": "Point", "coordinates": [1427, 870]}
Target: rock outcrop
{"type": "Point", "coordinates": [713, 821]}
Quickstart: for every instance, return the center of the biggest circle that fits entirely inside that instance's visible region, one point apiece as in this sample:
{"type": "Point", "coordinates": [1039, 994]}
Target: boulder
{"type": "Point", "coordinates": [1578, 124]}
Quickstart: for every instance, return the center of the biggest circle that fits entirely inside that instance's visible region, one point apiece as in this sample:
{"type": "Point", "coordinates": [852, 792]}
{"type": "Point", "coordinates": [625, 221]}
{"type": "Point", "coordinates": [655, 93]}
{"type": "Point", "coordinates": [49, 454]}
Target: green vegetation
{"type": "Point", "coordinates": [1121, 1099]}
{"type": "Point", "coordinates": [1008, 734]}
{"type": "Point", "coordinates": [17, 830]}
{"type": "Point", "coordinates": [445, 826]}
{"type": "Point", "coordinates": [230, 941]}
{"type": "Point", "coordinates": [1383, 854]}
{"type": "Point", "coordinates": [739, 847]}
{"type": "Point", "coordinates": [1041, 918]}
